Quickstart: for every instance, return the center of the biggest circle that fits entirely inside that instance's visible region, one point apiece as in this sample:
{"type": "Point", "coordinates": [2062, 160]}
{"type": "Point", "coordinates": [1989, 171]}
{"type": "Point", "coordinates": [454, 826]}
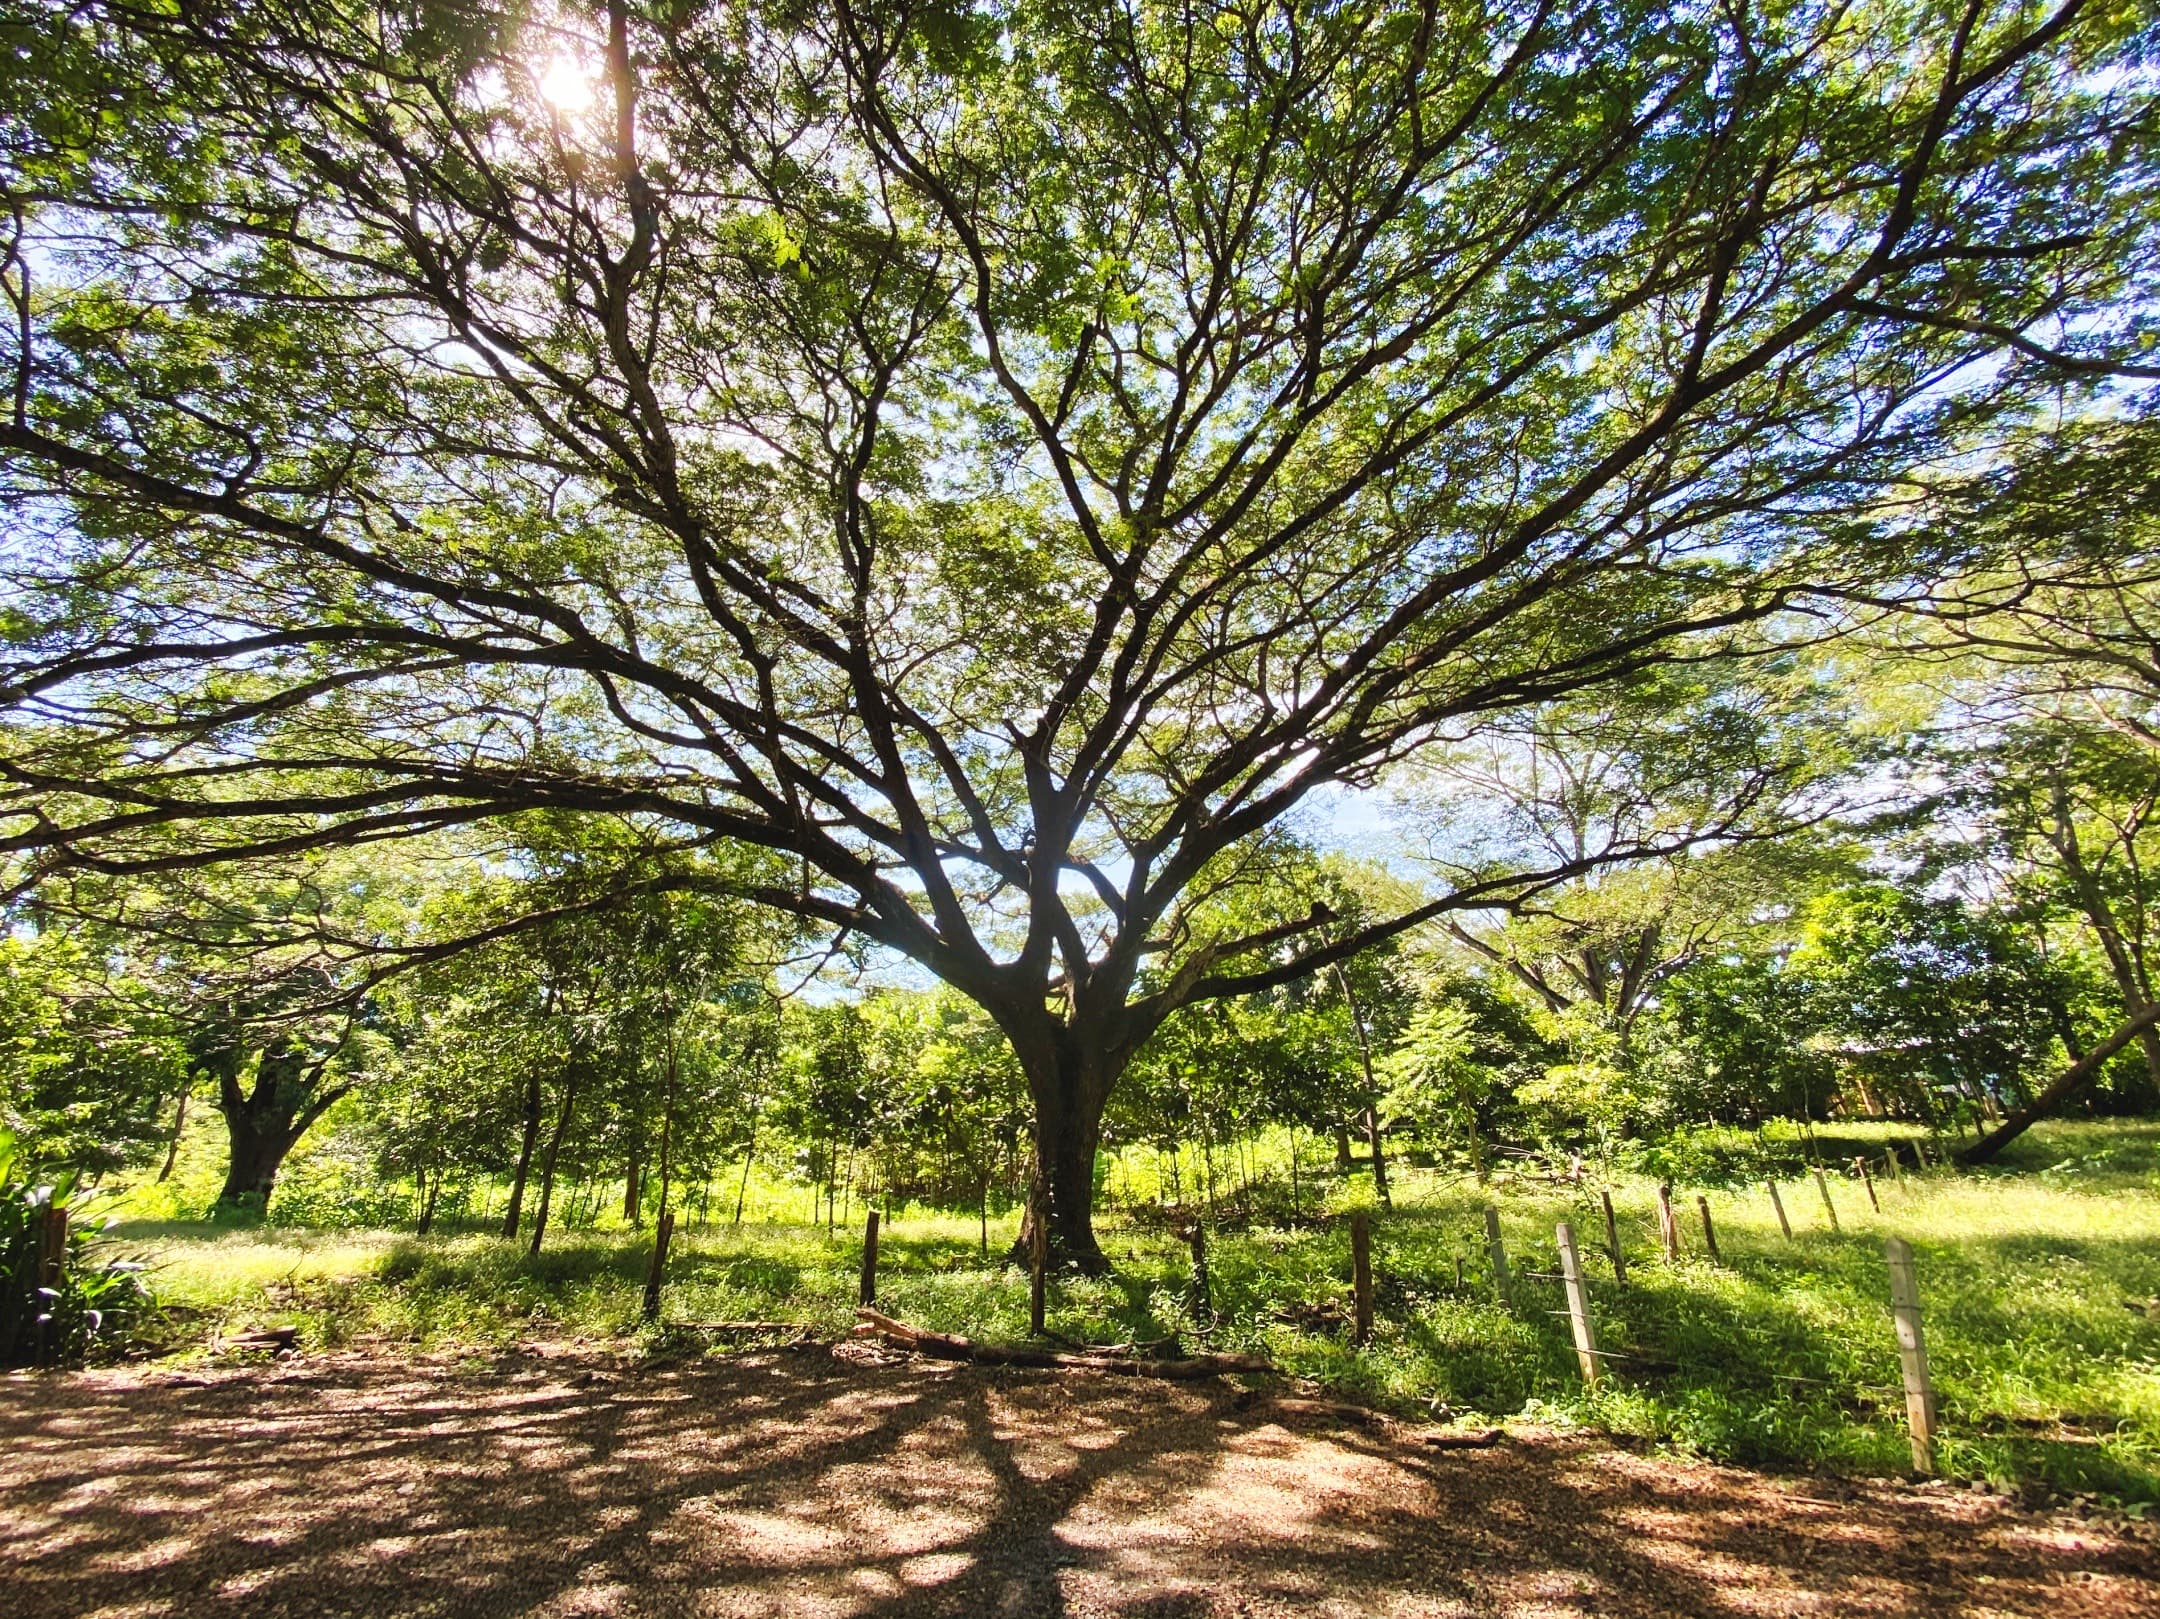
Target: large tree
{"type": "Point", "coordinates": [999, 457]}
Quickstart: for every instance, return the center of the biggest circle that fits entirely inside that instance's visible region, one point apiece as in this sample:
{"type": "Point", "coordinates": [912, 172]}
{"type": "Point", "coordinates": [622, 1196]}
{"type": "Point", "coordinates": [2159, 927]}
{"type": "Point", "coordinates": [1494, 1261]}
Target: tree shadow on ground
{"type": "Point", "coordinates": [810, 1483]}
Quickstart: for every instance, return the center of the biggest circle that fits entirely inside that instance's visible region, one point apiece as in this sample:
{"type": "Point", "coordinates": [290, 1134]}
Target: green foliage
{"type": "Point", "coordinates": [1935, 1003]}
{"type": "Point", "coordinates": [89, 1057]}
{"type": "Point", "coordinates": [90, 1301]}
{"type": "Point", "coordinates": [1741, 1042]}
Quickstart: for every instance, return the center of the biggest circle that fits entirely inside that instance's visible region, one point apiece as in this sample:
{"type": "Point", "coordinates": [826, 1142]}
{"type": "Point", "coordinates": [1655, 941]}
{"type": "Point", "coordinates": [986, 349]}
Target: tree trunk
{"type": "Point", "coordinates": [525, 1155]}
{"type": "Point", "coordinates": [1069, 1085]}
{"type": "Point", "coordinates": [172, 1150]}
{"type": "Point", "coordinates": [258, 1149]}
{"type": "Point", "coordinates": [2124, 962]}
{"type": "Point", "coordinates": [1372, 1091]}
{"type": "Point", "coordinates": [263, 1124]}
{"type": "Point", "coordinates": [2072, 1080]}
{"type": "Point", "coordinates": [1342, 1147]}
{"type": "Point", "coordinates": [634, 1188]}
{"type": "Point", "coordinates": [547, 1168]}
{"type": "Point", "coordinates": [1379, 1157]}
{"type": "Point", "coordinates": [749, 1153]}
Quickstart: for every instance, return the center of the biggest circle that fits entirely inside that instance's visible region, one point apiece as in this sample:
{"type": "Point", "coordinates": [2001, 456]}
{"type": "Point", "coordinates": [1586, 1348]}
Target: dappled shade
{"type": "Point", "coordinates": [811, 1484]}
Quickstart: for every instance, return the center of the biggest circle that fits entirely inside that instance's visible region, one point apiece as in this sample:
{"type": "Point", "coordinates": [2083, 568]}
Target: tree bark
{"type": "Point", "coordinates": [172, 1150]}
{"type": "Point", "coordinates": [262, 1124]}
{"type": "Point", "coordinates": [2124, 962]}
{"type": "Point", "coordinates": [634, 1187]}
{"type": "Point", "coordinates": [1372, 1090]}
{"type": "Point", "coordinates": [2072, 1080]}
{"type": "Point", "coordinates": [547, 1167]}
{"type": "Point", "coordinates": [1379, 1157]}
{"type": "Point", "coordinates": [525, 1155]}
{"type": "Point", "coordinates": [1069, 1082]}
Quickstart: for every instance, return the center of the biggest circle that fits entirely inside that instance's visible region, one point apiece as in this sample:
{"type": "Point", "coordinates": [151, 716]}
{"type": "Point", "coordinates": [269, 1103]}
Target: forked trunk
{"type": "Point", "coordinates": [263, 1123]}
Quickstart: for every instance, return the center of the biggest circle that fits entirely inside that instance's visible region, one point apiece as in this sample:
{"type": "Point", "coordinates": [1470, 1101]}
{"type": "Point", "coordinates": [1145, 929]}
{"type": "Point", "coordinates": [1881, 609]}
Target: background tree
{"type": "Point", "coordinates": [90, 1061]}
{"type": "Point", "coordinates": [2039, 651]}
{"type": "Point", "coordinates": [1938, 1008]}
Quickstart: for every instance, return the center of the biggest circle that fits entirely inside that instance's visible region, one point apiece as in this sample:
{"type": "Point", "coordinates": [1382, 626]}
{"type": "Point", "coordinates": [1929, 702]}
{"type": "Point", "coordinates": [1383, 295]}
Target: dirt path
{"type": "Point", "coordinates": [810, 1484]}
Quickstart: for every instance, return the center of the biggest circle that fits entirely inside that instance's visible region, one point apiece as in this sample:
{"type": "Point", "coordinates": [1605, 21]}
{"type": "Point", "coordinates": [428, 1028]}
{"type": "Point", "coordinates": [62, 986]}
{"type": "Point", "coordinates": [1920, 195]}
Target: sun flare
{"type": "Point", "coordinates": [565, 85]}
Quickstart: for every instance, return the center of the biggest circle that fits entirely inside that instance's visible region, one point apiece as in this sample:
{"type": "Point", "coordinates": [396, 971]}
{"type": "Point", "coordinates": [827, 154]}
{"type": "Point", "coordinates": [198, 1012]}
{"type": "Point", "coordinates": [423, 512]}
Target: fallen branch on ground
{"type": "Point", "coordinates": [1460, 1438]}
{"type": "Point", "coordinates": [950, 1346]}
{"type": "Point", "coordinates": [266, 1338]}
{"type": "Point", "coordinates": [738, 1329]}
{"type": "Point", "coordinates": [1364, 1416]}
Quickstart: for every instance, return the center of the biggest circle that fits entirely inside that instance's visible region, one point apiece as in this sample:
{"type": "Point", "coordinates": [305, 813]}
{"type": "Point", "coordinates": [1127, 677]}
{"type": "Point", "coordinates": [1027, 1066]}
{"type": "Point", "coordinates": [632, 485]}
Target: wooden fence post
{"type": "Point", "coordinates": [1498, 1252]}
{"type": "Point", "coordinates": [1868, 1181]}
{"type": "Point", "coordinates": [1668, 1226]}
{"type": "Point", "coordinates": [1709, 1231]}
{"type": "Point", "coordinates": [663, 1231]}
{"type": "Point", "coordinates": [1897, 1169]}
{"type": "Point", "coordinates": [1578, 1303]}
{"type": "Point", "coordinates": [1823, 1187]}
{"type": "Point", "coordinates": [1612, 1240]}
{"type": "Point", "coordinates": [1361, 1272]}
{"type": "Point", "coordinates": [1778, 1204]}
{"type": "Point", "coordinates": [1912, 1353]}
{"type": "Point", "coordinates": [867, 1292]}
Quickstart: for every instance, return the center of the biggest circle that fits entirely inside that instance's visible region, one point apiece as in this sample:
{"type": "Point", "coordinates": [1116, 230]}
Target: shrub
{"type": "Point", "coordinates": [58, 1300]}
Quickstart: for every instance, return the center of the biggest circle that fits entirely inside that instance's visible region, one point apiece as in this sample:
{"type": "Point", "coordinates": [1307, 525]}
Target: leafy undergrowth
{"type": "Point", "coordinates": [2037, 1277]}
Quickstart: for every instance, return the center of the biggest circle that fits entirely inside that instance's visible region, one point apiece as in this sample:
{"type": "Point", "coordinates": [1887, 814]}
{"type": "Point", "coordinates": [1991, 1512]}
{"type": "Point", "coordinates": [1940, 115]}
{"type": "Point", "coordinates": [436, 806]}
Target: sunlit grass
{"type": "Point", "coordinates": [2034, 1276]}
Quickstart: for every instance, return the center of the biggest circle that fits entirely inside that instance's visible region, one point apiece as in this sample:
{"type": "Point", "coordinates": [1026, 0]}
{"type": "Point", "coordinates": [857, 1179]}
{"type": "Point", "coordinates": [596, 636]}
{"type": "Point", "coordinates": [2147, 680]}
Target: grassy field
{"type": "Point", "coordinates": [2039, 1279]}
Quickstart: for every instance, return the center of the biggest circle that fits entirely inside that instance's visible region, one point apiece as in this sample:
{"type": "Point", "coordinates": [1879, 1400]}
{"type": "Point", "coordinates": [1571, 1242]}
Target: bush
{"type": "Point", "coordinates": [56, 1308]}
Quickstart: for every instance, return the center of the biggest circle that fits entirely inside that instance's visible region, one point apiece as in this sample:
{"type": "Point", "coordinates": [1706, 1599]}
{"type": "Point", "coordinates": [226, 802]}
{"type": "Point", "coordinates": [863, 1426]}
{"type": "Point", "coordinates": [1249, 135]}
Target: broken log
{"type": "Point", "coordinates": [950, 1346]}
{"type": "Point", "coordinates": [1460, 1438]}
{"type": "Point", "coordinates": [1364, 1416]}
{"type": "Point", "coordinates": [265, 1338]}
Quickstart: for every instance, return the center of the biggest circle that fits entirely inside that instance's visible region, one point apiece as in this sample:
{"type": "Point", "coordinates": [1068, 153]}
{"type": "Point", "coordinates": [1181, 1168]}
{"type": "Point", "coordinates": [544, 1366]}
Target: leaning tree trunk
{"type": "Point", "coordinates": [2126, 964]}
{"type": "Point", "coordinates": [172, 1149]}
{"type": "Point", "coordinates": [2072, 1080]}
{"type": "Point", "coordinates": [554, 1151]}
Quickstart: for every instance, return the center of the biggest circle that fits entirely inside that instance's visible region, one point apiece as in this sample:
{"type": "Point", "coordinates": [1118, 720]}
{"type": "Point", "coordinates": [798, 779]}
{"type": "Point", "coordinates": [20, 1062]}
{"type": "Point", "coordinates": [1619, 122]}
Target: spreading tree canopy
{"type": "Point", "coordinates": [997, 458]}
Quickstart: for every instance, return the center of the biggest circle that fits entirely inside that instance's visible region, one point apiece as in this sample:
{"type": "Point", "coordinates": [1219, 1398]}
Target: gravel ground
{"type": "Point", "coordinates": [834, 1482]}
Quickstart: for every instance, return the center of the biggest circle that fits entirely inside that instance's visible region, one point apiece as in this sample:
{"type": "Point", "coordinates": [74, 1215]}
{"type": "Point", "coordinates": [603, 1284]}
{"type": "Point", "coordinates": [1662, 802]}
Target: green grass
{"type": "Point", "coordinates": [1781, 1354]}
